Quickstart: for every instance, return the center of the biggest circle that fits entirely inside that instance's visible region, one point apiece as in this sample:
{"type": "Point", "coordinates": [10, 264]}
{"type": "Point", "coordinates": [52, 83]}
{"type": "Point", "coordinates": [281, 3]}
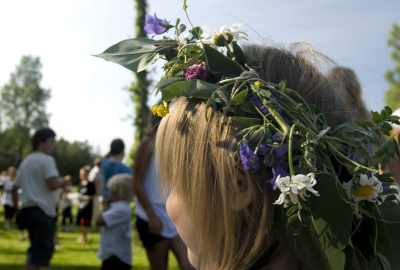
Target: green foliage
{"type": "Point", "coordinates": [320, 237]}
{"type": "Point", "coordinates": [23, 110]}
{"type": "Point", "coordinates": [70, 157]}
{"type": "Point", "coordinates": [23, 100]}
{"type": "Point", "coordinates": [392, 97]}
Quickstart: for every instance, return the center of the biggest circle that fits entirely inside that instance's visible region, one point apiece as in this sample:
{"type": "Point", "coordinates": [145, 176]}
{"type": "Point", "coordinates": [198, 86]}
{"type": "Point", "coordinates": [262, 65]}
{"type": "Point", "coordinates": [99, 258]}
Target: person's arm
{"type": "Point", "coordinates": [100, 220]}
{"type": "Point", "coordinates": [55, 182]}
{"type": "Point", "coordinates": [143, 155]}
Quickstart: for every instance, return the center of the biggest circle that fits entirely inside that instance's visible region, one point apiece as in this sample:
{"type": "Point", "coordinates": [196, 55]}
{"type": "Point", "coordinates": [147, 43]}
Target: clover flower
{"type": "Point", "coordinates": [367, 189]}
{"type": "Point", "coordinates": [224, 36]}
{"type": "Point", "coordinates": [197, 71]}
{"type": "Point", "coordinates": [155, 25]}
{"type": "Point", "coordinates": [161, 110]}
{"type": "Point", "coordinates": [248, 158]}
{"type": "Point", "coordinates": [296, 185]}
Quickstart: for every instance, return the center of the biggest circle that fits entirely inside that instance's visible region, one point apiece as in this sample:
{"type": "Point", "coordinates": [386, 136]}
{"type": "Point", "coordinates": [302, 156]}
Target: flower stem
{"type": "Point", "coordinates": [350, 160]}
{"type": "Point", "coordinates": [290, 146]}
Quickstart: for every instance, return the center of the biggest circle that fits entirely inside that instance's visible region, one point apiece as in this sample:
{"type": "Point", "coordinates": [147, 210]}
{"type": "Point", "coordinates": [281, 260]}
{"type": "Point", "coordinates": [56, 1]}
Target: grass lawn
{"type": "Point", "coordinates": [71, 255]}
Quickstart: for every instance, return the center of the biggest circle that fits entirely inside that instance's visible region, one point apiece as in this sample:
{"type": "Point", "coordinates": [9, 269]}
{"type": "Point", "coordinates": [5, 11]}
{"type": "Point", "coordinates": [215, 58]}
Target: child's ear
{"type": "Point", "coordinates": [245, 191]}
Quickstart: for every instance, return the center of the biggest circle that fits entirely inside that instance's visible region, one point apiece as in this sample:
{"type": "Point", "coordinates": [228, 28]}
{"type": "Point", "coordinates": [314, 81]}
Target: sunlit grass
{"type": "Point", "coordinates": [71, 255]}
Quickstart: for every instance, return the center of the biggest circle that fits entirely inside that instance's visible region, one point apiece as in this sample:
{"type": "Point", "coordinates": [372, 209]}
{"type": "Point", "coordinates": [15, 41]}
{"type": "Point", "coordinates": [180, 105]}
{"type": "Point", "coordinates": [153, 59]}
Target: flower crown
{"type": "Point", "coordinates": [281, 130]}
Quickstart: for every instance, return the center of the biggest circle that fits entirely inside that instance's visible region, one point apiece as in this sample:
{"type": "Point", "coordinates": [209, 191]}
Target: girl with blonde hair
{"type": "Point", "coordinates": [258, 151]}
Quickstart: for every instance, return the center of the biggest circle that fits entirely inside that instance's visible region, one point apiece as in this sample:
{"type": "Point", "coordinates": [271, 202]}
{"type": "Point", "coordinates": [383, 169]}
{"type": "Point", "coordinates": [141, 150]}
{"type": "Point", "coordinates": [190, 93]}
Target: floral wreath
{"type": "Point", "coordinates": [318, 213]}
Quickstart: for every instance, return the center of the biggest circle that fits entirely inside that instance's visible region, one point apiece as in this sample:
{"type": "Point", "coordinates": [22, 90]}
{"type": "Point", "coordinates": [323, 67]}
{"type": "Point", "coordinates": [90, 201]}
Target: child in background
{"type": "Point", "coordinates": [6, 197]}
{"type": "Point", "coordinates": [87, 190]}
{"type": "Point", "coordinates": [66, 205]}
{"type": "Point", "coordinates": [116, 221]}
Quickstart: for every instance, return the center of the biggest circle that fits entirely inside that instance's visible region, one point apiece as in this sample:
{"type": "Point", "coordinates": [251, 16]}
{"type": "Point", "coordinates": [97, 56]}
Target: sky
{"type": "Point", "coordinates": [89, 101]}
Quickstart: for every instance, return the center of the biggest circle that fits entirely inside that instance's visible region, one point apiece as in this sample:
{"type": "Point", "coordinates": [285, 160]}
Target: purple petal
{"type": "Point", "coordinates": [256, 100]}
{"type": "Point", "coordinates": [280, 168]}
{"type": "Point", "coordinates": [247, 157]}
{"type": "Point", "coordinates": [263, 147]}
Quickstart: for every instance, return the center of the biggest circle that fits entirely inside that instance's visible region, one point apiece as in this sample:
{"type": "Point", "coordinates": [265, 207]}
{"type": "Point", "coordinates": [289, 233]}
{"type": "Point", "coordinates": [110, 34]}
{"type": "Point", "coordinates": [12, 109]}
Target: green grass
{"type": "Point", "coordinates": [71, 255]}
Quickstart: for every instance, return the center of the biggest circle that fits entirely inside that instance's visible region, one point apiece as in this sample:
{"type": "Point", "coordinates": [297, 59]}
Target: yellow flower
{"type": "Point", "coordinates": [160, 110]}
{"type": "Point", "coordinates": [184, 5]}
{"type": "Point", "coordinates": [154, 109]}
{"type": "Point", "coordinates": [257, 84]}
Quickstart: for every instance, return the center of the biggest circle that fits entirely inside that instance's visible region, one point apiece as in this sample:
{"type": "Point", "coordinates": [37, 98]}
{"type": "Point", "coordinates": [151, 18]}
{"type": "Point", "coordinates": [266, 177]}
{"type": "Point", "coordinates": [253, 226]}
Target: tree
{"type": "Point", "coordinates": [22, 107]}
{"type": "Point", "coordinates": [392, 97]}
{"type": "Point", "coordinates": [139, 89]}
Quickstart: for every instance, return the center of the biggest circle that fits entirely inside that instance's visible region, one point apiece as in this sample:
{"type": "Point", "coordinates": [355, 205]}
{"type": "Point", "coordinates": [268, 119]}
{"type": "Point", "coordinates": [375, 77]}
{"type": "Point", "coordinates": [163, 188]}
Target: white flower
{"type": "Point", "coordinates": [186, 38]}
{"type": "Point", "coordinates": [296, 185]}
{"type": "Point", "coordinates": [222, 37]}
{"type": "Point", "coordinates": [368, 188]}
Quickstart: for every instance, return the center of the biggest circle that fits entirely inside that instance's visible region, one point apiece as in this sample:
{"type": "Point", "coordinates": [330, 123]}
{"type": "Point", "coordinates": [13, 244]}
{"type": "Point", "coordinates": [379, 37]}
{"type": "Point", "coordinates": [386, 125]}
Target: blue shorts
{"type": "Point", "coordinates": [146, 237]}
{"type": "Point", "coordinates": [41, 229]}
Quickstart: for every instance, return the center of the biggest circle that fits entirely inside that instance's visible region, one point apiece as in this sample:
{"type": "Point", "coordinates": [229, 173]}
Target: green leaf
{"type": "Point", "coordinates": [240, 57]}
{"type": "Point", "coordinates": [322, 239]}
{"type": "Point", "coordinates": [194, 88]}
{"type": "Point", "coordinates": [245, 122]}
{"type": "Point", "coordinates": [387, 223]}
{"type": "Point", "coordinates": [135, 54]}
{"type": "Point", "coordinates": [220, 65]}
{"type": "Point", "coordinates": [163, 83]}
{"type": "Point", "coordinates": [240, 98]}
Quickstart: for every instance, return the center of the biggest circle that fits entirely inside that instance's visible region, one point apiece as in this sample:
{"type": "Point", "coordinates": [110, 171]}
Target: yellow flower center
{"type": "Point", "coordinates": [220, 41]}
{"type": "Point", "coordinates": [363, 191]}
{"type": "Point", "coordinates": [257, 84]}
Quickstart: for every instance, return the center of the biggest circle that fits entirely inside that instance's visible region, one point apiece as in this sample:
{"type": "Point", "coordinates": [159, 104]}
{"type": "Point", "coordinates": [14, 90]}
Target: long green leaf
{"type": "Point", "coordinates": [220, 65]}
{"type": "Point", "coordinates": [194, 88]}
{"type": "Point", "coordinates": [135, 54]}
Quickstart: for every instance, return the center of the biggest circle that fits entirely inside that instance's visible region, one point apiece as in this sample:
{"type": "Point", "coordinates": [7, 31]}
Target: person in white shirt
{"type": "Point", "coordinates": [116, 221]}
{"type": "Point", "coordinates": [39, 180]}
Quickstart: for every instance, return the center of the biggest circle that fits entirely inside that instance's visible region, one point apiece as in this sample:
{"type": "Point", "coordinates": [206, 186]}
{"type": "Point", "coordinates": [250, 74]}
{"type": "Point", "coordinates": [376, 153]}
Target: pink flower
{"type": "Point", "coordinates": [197, 71]}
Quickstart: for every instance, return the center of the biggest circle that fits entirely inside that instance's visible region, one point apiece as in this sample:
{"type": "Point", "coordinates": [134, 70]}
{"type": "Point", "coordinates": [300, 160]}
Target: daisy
{"type": "Point", "coordinates": [368, 188]}
{"type": "Point", "coordinates": [296, 185]}
{"type": "Point", "coordinates": [222, 37]}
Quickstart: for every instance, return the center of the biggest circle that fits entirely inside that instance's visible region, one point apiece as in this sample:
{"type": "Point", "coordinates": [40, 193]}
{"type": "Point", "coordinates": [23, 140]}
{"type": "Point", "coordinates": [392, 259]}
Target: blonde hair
{"type": "Point", "coordinates": [194, 159]}
{"type": "Point", "coordinates": [121, 184]}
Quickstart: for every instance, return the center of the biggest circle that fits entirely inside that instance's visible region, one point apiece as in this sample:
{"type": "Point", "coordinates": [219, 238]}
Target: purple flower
{"type": "Point", "coordinates": [154, 25]}
{"type": "Point", "coordinates": [197, 71]}
{"type": "Point", "coordinates": [279, 151]}
{"type": "Point", "coordinates": [280, 168]}
{"type": "Point", "coordinates": [247, 157]}
{"type": "Point", "coordinates": [263, 147]}
{"type": "Point", "coordinates": [258, 103]}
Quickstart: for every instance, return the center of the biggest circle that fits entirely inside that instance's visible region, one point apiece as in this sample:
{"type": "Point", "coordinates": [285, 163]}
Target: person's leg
{"type": "Point", "coordinates": [41, 231]}
{"type": "Point", "coordinates": [158, 255]}
{"type": "Point", "coordinates": [179, 248]}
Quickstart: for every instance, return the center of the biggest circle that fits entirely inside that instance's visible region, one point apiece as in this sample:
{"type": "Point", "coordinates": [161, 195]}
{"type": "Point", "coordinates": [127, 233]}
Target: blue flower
{"type": "Point", "coordinates": [279, 169]}
{"type": "Point", "coordinates": [258, 103]}
{"type": "Point", "coordinates": [279, 151]}
{"type": "Point", "coordinates": [154, 25]}
{"type": "Point", "coordinates": [247, 157]}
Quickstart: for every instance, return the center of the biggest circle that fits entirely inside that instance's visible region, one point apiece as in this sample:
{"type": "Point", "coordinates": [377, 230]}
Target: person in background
{"type": "Point", "coordinates": [87, 191]}
{"type": "Point", "coordinates": [112, 163]}
{"type": "Point", "coordinates": [39, 179]}
{"type": "Point", "coordinates": [6, 196]}
{"type": "Point", "coordinates": [96, 176]}
{"type": "Point", "coordinates": [156, 230]}
{"type": "Point", "coordinates": [116, 224]}
{"type": "Point", "coordinates": [66, 206]}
